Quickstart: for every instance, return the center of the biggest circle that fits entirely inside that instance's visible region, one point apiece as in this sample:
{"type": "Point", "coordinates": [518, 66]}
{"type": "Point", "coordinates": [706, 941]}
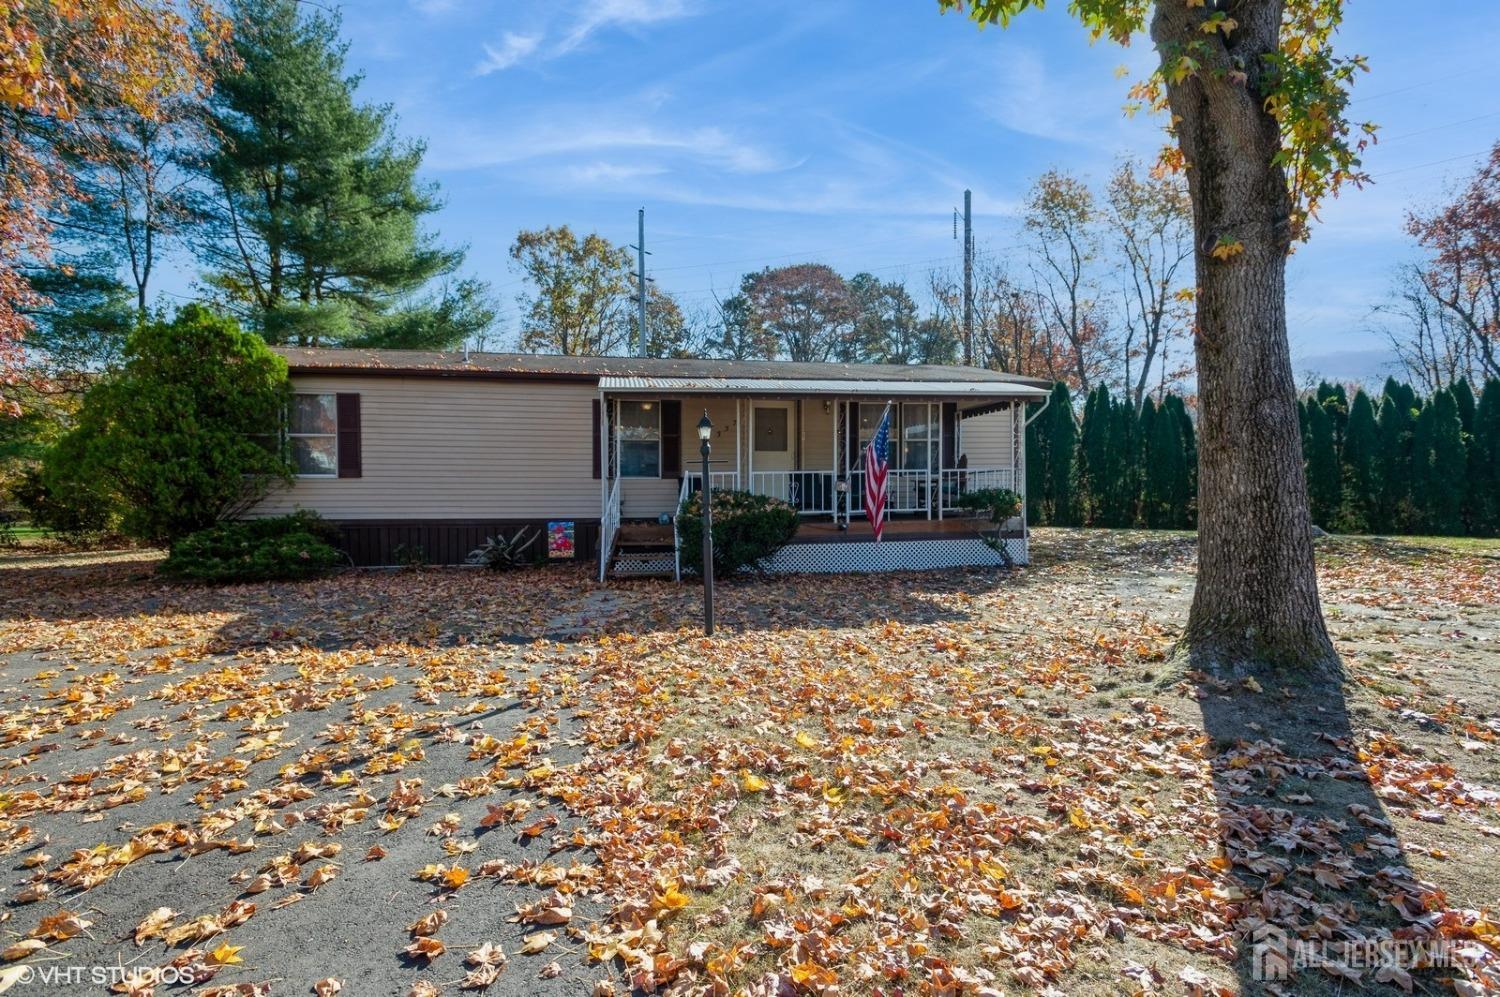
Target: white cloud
{"type": "Point", "coordinates": [608, 13]}
{"type": "Point", "coordinates": [606, 174]}
{"type": "Point", "coordinates": [709, 145]}
{"type": "Point", "coordinates": [511, 50]}
{"type": "Point", "coordinates": [596, 16]}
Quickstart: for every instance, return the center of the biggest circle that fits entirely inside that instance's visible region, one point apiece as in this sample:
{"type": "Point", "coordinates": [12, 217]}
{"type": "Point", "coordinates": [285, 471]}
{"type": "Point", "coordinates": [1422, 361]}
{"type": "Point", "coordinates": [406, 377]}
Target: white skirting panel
{"type": "Point", "coordinates": [891, 555]}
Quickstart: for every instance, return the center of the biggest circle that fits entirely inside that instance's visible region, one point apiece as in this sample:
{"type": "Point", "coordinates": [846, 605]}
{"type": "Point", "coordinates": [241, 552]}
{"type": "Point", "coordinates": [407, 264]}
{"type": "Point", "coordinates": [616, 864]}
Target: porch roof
{"type": "Point", "coordinates": [418, 363]}
{"type": "Point", "coordinates": [818, 386]}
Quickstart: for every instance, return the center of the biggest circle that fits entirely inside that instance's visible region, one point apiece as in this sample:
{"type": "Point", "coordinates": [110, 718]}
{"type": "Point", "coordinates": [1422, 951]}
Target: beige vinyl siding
{"type": "Point", "coordinates": [817, 435]}
{"type": "Point", "coordinates": [721, 413]}
{"type": "Point", "coordinates": [648, 498]}
{"type": "Point", "coordinates": [987, 440]}
{"type": "Point", "coordinates": [458, 449]}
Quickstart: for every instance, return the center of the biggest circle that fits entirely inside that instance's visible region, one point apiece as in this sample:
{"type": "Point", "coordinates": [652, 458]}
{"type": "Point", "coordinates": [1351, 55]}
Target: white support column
{"type": "Point", "coordinates": [738, 465]}
{"type": "Point", "coordinates": [750, 454]}
{"type": "Point", "coordinates": [928, 431]}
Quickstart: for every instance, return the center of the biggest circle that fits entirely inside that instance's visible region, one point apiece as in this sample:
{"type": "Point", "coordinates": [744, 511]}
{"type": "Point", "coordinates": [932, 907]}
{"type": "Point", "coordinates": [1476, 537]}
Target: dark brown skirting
{"type": "Point", "coordinates": [385, 542]}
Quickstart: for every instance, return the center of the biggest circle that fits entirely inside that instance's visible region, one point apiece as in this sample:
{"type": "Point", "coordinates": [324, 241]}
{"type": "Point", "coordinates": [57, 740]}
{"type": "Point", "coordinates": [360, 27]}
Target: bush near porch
{"type": "Point", "coordinates": [747, 529]}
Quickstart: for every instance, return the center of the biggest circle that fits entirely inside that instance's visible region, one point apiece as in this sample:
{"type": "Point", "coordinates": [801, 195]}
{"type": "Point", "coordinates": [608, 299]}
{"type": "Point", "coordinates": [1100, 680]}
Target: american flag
{"type": "Point", "coordinates": [877, 463]}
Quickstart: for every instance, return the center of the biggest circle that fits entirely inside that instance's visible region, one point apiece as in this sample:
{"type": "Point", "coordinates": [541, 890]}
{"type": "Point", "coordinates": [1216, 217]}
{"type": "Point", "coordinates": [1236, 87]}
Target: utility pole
{"type": "Point", "coordinates": [968, 278]}
{"type": "Point", "coordinates": [640, 280]}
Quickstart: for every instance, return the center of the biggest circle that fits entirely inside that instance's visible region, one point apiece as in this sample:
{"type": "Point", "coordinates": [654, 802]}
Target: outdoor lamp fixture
{"type": "Point", "coordinates": [705, 433]}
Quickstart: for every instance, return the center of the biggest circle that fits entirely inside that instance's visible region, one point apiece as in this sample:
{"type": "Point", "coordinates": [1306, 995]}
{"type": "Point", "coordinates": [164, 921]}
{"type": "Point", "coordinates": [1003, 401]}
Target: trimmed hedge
{"type": "Point", "coordinates": [747, 529]}
{"type": "Point", "coordinates": [287, 548]}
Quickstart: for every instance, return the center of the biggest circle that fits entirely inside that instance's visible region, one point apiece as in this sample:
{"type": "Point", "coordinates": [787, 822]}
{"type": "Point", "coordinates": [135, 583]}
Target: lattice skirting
{"type": "Point", "coordinates": [892, 555]}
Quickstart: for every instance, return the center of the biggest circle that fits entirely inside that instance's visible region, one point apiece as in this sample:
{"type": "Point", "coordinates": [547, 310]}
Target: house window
{"type": "Point", "coordinates": [640, 439]}
{"type": "Point", "coordinates": [312, 432]}
{"type": "Point", "coordinates": [917, 451]}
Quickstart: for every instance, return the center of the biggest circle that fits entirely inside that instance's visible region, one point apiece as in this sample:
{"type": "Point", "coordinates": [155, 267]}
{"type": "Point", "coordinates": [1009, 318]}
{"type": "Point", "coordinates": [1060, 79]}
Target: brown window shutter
{"type": "Point", "coordinates": [350, 463]}
{"type": "Point", "coordinates": [851, 437]}
{"type": "Point", "coordinates": [950, 434]}
{"type": "Point", "coordinates": [671, 439]}
{"type": "Point", "coordinates": [595, 437]}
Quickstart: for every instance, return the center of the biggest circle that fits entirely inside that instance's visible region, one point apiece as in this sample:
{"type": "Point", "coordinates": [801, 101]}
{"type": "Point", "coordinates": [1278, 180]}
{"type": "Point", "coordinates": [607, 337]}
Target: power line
{"type": "Point", "coordinates": [774, 259]}
{"type": "Point", "coordinates": [1423, 166]}
{"type": "Point", "coordinates": [1436, 128]}
{"type": "Point", "coordinates": [1418, 86]}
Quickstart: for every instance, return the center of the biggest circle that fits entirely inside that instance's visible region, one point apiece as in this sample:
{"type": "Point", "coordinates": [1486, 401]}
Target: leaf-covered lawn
{"type": "Point", "coordinates": [959, 781]}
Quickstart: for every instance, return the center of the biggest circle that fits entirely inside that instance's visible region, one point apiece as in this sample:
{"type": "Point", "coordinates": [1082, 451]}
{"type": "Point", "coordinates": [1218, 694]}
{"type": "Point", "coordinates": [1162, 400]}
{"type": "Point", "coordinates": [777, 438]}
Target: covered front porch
{"type": "Point", "coordinates": [805, 445]}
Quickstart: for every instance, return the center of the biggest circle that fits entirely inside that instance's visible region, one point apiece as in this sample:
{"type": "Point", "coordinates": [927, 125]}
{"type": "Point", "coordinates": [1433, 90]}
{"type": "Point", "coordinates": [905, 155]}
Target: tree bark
{"type": "Point", "coordinates": [1256, 600]}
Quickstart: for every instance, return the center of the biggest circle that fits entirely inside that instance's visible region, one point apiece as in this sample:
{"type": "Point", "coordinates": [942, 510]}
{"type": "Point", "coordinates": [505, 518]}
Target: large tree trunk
{"type": "Point", "coordinates": [1256, 600]}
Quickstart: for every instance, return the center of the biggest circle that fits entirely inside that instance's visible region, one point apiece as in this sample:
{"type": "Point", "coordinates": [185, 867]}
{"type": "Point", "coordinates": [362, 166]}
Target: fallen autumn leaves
{"type": "Point", "coordinates": [929, 783]}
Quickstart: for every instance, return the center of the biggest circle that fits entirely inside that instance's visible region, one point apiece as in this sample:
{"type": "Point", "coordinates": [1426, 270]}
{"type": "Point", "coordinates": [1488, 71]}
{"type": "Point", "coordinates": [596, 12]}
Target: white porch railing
{"type": "Point", "coordinates": [692, 481]}
{"type": "Point", "coordinates": [908, 491]}
{"type": "Point", "coordinates": [959, 481]}
{"type": "Point", "coordinates": [811, 492]}
{"type": "Point", "coordinates": [609, 526]}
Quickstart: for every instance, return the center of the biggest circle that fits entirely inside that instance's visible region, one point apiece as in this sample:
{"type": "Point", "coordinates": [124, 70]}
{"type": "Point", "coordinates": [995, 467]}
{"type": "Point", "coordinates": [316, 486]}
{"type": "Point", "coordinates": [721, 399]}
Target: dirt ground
{"type": "Point", "coordinates": [981, 781]}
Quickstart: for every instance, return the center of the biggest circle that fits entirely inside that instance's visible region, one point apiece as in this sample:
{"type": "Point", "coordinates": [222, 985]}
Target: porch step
{"type": "Point", "coordinates": [637, 563]}
{"type": "Point", "coordinates": [644, 546]}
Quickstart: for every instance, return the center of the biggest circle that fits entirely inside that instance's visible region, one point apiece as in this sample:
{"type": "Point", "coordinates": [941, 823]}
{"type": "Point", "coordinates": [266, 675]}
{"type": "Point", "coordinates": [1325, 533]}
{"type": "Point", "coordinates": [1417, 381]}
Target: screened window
{"type": "Point", "coordinates": [640, 439]}
{"type": "Point", "coordinates": [312, 431]}
{"type": "Point", "coordinates": [917, 437]}
{"type": "Point", "coordinates": [869, 420]}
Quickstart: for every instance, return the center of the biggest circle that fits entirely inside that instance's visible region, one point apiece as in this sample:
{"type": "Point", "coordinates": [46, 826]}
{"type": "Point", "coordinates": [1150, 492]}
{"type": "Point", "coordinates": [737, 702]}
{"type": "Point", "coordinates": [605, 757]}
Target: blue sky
{"type": "Point", "coordinates": [845, 131]}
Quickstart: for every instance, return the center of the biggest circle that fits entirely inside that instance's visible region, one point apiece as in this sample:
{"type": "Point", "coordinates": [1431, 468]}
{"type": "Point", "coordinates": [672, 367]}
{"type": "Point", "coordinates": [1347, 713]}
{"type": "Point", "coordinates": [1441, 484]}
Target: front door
{"type": "Point", "coordinates": [775, 434]}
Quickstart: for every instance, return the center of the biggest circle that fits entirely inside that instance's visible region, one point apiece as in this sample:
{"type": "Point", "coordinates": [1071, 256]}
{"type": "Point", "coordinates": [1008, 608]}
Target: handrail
{"type": "Point", "coordinates": [682, 497]}
{"type": "Point", "coordinates": [609, 525]}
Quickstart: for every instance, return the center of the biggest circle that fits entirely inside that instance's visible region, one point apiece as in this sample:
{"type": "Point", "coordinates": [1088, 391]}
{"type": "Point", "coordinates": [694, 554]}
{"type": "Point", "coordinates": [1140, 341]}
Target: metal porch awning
{"type": "Point", "coordinates": [764, 386]}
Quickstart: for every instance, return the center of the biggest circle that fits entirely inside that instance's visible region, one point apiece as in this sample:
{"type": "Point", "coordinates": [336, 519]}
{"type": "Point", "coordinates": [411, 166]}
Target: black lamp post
{"type": "Point", "coordinates": [706, 432]}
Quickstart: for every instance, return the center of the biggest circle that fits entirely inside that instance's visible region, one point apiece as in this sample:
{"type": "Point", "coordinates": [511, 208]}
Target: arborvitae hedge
{"type": "Point", "coordinates": [1395, 463]}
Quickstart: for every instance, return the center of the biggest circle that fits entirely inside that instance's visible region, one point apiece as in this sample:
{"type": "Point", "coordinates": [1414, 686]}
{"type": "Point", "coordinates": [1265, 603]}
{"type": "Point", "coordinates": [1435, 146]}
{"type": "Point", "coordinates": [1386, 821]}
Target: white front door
{"type": "Point", "coordinates": [774, 431]}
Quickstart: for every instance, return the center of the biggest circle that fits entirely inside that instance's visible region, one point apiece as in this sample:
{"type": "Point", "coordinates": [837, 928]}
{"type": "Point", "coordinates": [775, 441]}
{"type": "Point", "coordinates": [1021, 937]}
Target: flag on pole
{"type": "Point", "coordinates": [877, 463]}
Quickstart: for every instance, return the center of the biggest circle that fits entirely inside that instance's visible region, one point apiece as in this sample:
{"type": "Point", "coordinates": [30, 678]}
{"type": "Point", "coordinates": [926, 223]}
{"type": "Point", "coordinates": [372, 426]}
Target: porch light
{"type": "Point", "coordinates": [705, 427]}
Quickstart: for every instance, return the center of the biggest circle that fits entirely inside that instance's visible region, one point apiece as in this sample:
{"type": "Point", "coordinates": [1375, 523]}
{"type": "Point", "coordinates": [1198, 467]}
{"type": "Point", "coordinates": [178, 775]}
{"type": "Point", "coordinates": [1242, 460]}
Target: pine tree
{"type": "Point", "coordinates": [1323, 476]}
{"type": "Point", "coordinates": [1395, 423]}
{"type": "Point", "coordinates": [1144, 458]}
{"type": "Point", "coordinates": [1125, 490]}
{"type": "Point", "coordinates": [1038, 457]}
{"type": "Point", "coordinates": [1463, 397]}
{"type": "Point", "coordinates": [1189, 434]}
{"type": "Point", "coordinates": [1361, 447]}
{"type": "Point", "coordinates": [314, 207]}
{"type": "Point", "coordinates": [1095, 459]}
{"type": "Point", "coordinates": [1062, 447]}
{"type": "Point", "coordinates": [1448, 466]}
{"type": "Point", "coordinates": [1167, 496]}
{"type": "Point", "coordinates": [1484, 461]}
{"type": "Point", "coordinates": [1335, 402]}
{"type": "Point", "coordinates": [1424, 432]}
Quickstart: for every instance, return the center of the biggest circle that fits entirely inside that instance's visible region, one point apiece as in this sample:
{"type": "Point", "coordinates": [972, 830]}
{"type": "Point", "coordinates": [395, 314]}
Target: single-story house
{"type": "Point", "coordinates": [419, 456]}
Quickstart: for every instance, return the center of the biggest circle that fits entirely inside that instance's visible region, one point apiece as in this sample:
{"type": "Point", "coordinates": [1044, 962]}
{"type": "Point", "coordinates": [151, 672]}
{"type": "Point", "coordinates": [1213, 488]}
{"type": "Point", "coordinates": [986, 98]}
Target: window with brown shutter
{"type": "Point", "coordinates": [671, 439]}
{"type": "Point", "coordinates": [950, 434]}
{"type": "Point", "coordinates": [351, 464]}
